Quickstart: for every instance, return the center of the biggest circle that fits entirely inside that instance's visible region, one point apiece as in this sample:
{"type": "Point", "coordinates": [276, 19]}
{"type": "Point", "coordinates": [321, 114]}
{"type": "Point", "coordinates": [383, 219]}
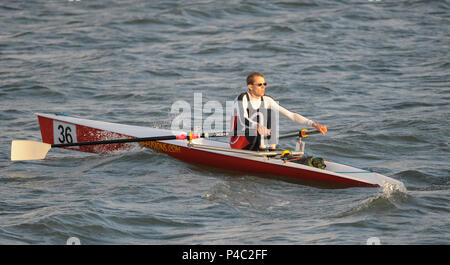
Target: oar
{"type": "Point", "coordinates": [300, 133]}
{"type": "Point", "coordinates": [31, 150]}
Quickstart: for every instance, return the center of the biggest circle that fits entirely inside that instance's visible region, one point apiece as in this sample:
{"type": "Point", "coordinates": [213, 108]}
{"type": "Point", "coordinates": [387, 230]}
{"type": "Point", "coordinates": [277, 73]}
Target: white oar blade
{"type": "Point", "coordinates": [28, 150]}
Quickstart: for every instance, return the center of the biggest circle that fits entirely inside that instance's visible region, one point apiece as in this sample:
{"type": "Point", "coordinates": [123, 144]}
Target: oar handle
{"type": "Point", "coordinates": [300, 133]}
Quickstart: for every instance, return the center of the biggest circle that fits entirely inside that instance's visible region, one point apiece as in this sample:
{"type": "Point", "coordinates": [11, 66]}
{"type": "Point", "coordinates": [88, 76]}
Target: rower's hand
{"type": "Point", "coordinates": [322, 128]}
{"type": "Point", "coordinates": [262, 130]}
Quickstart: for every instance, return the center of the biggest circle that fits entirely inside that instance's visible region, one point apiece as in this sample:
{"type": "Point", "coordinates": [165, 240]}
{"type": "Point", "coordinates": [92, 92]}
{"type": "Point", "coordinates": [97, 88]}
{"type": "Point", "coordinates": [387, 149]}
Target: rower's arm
{"type": "Point", "coordinates": [295, 117]}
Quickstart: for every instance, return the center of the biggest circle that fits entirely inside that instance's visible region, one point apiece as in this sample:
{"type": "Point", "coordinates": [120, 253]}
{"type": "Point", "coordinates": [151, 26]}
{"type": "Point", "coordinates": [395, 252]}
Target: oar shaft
{"type": "Point", "coordinates": [288, 135]}
{"type": "Point", "coordinates": [146, 139]}
{"type": "Point", "coordinates": [119, 141]}
{"type": "Point", "coordinates": [216, 134]}
{"type": "Point", "coordinates": [31, 150]}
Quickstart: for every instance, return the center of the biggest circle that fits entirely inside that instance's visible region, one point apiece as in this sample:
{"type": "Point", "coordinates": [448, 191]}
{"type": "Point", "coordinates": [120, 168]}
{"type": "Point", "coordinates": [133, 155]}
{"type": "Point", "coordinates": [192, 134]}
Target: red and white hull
{"type": "Point", "coordinates": [57, 129]}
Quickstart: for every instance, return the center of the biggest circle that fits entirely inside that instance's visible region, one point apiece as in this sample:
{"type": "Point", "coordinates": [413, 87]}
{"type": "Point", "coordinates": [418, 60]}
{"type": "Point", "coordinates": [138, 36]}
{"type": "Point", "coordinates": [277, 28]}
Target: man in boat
{"type": "Point", "coordinates": [252, 118]}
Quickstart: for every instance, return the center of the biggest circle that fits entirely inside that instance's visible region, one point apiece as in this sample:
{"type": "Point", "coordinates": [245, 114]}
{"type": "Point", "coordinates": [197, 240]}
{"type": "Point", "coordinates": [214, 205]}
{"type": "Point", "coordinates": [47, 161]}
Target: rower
{"type": "Point", "coordinates": [255, 117]}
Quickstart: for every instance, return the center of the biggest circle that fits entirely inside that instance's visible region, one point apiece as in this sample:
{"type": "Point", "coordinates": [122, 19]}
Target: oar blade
{"type": "Point", "coordinates": [28, 150]}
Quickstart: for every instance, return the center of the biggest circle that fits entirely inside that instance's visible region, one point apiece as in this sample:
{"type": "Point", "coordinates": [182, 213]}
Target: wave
{"type": "Point", "coordinates": [144, 21]}
{"type": "Point", "coordinates": [419, 181]}
{"type": "Point", "coordinates": [9, 8]}
{"type": "Point", "coordinates": [389, 197]}
{"type": "Point", "coordinates": [246, 195]}
{"type": "Point", "coordinates": [17, 89]}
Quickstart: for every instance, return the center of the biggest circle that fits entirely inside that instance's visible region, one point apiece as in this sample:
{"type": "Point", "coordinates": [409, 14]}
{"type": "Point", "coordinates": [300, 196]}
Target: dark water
{"type": "Point", "coordinates": [375, 72]}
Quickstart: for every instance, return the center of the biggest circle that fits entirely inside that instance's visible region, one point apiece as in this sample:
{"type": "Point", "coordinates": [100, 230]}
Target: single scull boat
{"type": "Point", "coordinates": [70, 132]}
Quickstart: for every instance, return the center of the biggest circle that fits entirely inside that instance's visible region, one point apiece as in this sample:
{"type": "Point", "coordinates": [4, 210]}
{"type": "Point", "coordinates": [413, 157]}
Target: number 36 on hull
{"type": "Point", "coordinates": [64, 133]}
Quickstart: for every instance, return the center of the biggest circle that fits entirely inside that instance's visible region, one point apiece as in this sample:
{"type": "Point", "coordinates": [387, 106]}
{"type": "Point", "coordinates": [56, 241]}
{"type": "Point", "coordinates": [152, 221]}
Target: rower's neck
{"type": "Point", "coordinates": [253, 96]}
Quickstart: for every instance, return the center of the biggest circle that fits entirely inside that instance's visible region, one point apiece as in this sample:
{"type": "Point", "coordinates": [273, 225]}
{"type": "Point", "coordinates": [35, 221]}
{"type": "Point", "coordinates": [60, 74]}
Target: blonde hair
{"type": "Point", "coordinates": [251, 77]}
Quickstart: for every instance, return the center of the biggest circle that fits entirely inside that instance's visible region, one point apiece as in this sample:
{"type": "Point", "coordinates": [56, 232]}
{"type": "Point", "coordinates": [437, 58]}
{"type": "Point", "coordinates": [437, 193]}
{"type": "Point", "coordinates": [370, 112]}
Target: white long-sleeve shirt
{"type": "Point", "coordinates": [269, 103]}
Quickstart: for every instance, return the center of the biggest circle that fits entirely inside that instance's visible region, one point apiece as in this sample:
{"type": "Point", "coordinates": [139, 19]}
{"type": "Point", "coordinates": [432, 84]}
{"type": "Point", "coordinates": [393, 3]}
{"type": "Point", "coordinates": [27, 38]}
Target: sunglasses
{"type": "Point", "coordinates": [260, 84]}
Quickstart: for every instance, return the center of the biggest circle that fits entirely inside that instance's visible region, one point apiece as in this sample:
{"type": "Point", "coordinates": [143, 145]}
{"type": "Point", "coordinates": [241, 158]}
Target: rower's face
{"type": "Point", "coordinates": [257, 89]}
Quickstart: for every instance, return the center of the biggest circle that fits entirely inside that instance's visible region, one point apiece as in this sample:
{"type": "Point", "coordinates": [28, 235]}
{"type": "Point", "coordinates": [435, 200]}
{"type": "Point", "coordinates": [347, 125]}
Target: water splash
{"type": "Point", "coordinates": [389, 188]}
{"type": "Point", "coordinates": [387, 198]}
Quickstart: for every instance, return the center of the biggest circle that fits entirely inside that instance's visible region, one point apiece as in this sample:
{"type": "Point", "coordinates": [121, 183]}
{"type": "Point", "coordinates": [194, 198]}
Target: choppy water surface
{"type": "Point", "coordinates": [375, 72]}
